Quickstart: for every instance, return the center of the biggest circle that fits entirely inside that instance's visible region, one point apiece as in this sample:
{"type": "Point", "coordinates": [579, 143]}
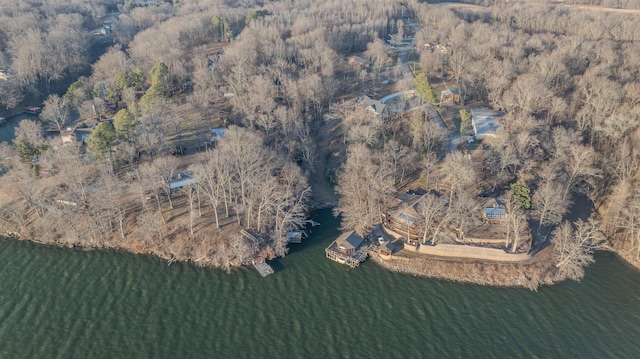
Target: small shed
{"type": "Point", "coordinates": [450, 95]}
{"type": "Point", "coordinates": [348, 243]}
{"type": "Point", "coordinates": [386, 249]}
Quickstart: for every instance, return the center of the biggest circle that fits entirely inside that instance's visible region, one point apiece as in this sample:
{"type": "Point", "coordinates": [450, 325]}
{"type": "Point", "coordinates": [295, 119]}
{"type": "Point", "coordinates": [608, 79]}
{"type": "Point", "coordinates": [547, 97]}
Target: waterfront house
{"type": "Point", "coordinates": [349, 249]}
{"type": "Point", "coordinates": [348, 243]}
{"type": "Point", "coordinates": [403, 218]}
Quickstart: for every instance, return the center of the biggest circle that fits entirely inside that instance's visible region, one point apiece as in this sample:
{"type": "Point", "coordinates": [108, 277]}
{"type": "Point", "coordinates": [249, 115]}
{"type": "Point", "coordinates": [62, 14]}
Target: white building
{"type": "Point", "coordinates": [485, 122]}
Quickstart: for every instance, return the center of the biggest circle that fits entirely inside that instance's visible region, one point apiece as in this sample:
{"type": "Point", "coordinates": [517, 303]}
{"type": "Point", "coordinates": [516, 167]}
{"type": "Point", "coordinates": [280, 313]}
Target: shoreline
{"type": "Point", "coordinates": [531, 275]}
{"type": "Point", "coordinates": [537, 272]}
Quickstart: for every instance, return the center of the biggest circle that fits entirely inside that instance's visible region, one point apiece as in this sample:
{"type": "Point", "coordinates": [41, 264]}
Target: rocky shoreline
{"type": "Point", "coordinates": [524, 275]}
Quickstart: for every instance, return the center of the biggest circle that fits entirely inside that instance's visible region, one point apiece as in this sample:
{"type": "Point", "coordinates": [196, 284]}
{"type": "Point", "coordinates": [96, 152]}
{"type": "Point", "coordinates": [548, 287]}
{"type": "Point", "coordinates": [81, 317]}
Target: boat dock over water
{"type": "Point", "coordinates": [263, 268]}
{"type": "Point", "coordinates": [349, 249]}
{"type": "Point", "coordinates": [258, 261]}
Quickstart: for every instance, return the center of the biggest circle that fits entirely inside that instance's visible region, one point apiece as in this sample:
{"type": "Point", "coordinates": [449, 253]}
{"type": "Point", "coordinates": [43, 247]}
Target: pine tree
{"type": "Point", "coordinates": [423, 88]}
{"type": "Point", "coordinates": [125, 123]}
{"type": "Point", "coordinates": [465, 122]}
{"type": "Point", "coordinates": [522, 193]}
{"type": "Point", "coordinates": [102, 139]}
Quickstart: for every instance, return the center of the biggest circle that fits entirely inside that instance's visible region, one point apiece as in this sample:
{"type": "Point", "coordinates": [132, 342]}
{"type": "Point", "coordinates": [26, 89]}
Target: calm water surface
{"type": "Point", "coordinates": [7, 129]}
{"type": "Point", "coordinates": [61, 303]}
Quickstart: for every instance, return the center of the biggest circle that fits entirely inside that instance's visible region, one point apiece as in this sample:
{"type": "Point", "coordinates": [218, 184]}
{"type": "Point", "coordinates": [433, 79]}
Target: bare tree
{"type": "Point", "coordinates": [210, 179]}
{"type": "Point", "coordinates": [573, 248]}
{"type": "Point", "coordinates": [459, 173]}
{"type": "Point", "coordinates": [56, 110]}
{"type": "Point", "coordinates": [516, 222]}
{"type": "Point", "coordinates": [166, 167]}
{"type": "Point", "coordinates": [364, 187]}
{"type": "Point", "coordinates": [395, 152]}
{"type": "Point", "coordinates": [580, 166]}
{"type": "Point", "coordinates": [549, 204]}
{"type": "Point", "coordinates": [190, 192]}
{"type": "Point", "coordinates": [433, 216]}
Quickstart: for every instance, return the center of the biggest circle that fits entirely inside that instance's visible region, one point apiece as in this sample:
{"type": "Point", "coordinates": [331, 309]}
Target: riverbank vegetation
{"type": "Point", "coordinates": [280, 81]}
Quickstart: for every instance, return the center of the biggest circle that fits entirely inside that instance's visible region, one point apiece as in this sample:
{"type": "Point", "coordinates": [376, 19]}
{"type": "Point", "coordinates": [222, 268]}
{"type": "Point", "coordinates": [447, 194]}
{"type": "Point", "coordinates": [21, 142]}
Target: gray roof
{"type": "Point", "coordinates": [180, 179]}
{"type": "Point", "coordinates": [375, 105]}
{"type": "Point", "coordinates": [349, 241]}
{"type": "Point", "coordinates": [485, 122]}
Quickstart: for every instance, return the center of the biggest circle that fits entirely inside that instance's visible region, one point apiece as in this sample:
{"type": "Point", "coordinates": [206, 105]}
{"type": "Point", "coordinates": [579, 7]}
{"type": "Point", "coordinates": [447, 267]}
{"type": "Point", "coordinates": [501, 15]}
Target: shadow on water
{"type": "Point", "coordinates": [277, 265]}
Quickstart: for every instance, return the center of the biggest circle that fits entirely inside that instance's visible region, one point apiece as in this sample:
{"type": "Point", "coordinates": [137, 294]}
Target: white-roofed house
{"type": "Point", "coordinates": [485, 122]}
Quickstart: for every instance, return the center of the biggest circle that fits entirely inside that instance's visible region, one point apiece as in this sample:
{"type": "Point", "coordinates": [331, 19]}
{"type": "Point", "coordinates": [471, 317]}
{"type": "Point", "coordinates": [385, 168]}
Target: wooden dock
{"type": "Point", "coordinates": [263, 268]}
{"type": "Point", "coordinates": [349, 249]}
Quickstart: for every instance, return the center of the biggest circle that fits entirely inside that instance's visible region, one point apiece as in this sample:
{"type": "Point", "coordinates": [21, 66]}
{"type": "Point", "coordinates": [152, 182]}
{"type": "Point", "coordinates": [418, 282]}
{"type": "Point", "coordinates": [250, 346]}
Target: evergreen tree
{"type": "Point", "coordinates": [25, 149]}
{"type": "Point", "coordinates": [221, 28]}
{"type": "Point", "coordinates": [102, 139]}
{"type": "Point", "coordinates": [77, 92]}
{"type": "Point", "coordinates": [522, 193]}
{"type": "Point", "coordinates": [135, 79]}
{"type": "Point", "coordinates": [125, 123]}
{"type": "Point", "coordinates": [423, 88]}
{"type": "Point", "coordinates": [159, 83]}
{"type": "Point", "coordinates": [465, 122]}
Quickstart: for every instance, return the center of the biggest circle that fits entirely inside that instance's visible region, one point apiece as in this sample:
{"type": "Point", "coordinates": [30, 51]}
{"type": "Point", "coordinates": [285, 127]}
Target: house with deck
{"type": "Point", "coordinates": [350, 249]}
{"type": "Point", "coordinates": [402, 221]}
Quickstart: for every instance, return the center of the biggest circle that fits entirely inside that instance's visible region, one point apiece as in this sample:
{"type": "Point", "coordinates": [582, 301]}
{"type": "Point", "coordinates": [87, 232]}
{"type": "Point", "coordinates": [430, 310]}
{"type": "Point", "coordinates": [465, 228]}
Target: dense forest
{"type": "Point", "coordinates": [155, 78]}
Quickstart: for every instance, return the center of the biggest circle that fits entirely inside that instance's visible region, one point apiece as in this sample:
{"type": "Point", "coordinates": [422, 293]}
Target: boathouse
{"type": "Point", "coordinates": [349, 249]}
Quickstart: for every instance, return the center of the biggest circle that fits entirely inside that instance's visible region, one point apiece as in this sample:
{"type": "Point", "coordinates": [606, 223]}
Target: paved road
{"type": "Point", "coordinates": [394, 95]}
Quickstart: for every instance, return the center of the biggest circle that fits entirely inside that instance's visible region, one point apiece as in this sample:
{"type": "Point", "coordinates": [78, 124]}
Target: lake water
{"type": "Point", "coordinates": [62, 303]}
{"type": "Point", "coordinates": [7, 129]}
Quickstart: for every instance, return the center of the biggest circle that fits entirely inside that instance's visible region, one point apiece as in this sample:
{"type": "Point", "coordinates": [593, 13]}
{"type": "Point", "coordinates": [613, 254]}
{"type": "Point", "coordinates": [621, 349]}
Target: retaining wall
{"type": "Point", "coordinates": [462, 251]}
